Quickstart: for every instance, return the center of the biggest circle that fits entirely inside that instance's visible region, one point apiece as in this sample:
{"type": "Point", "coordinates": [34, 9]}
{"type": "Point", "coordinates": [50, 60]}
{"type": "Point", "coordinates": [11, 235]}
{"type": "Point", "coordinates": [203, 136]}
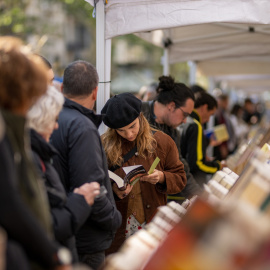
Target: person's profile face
{"type": "Point", "coordinates": [130, 131]}
{"type": "Point", "coordinates": [179, 115]}
{"type": "Point", "coordinates": [50, 76]}
{"type": "Point", "coordinates": [207, 114]}
{"type": "Point", "coordinates": [50, 129]}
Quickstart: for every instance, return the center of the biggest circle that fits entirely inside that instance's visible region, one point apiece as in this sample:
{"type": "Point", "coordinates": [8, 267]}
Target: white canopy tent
{"type": "Point", "coordinates": [198, 30]}
{"type": "Point", "coordinates": [248, 83]}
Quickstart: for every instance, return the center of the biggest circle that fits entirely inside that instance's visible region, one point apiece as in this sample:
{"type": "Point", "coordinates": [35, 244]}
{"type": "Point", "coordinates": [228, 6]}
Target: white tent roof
{"type": "Point", "coordinates": [234, 66]}
{"type": "Point", "coordinates": [221, 32]}
{"type": "Point", "coordinates": [248, 83]}
{"type": "Point", "coordinates": [129, 16]}
{"type": "Point", "coordinates": [214, 41]}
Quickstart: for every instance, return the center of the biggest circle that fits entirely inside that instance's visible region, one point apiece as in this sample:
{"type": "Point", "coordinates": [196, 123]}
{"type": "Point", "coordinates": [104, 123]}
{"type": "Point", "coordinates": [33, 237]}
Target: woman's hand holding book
{"type": "Point", "coordinates": [121, 194]}
{"type": "Point", "coordinates": [154, 178]}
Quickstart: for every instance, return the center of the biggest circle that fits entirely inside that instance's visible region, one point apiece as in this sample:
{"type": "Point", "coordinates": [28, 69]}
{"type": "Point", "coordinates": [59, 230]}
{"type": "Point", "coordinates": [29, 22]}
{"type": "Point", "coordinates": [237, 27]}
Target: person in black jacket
{"type": "Point", "coordinates": [24, 209]}
{"type": "Point", "coordinates": [68, 212]}
{"type": "Point", "coordinates": [194, 142]}
{"type": "Point", "coordinates": [174, 102]}
{"type": "Point", "coordinates": [82, 160]}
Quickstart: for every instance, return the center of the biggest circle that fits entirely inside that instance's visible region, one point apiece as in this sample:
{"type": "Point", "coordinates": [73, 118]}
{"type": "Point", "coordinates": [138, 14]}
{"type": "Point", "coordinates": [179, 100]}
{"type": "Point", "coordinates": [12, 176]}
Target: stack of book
{"type": "Point", "coordinates": [225, 228]}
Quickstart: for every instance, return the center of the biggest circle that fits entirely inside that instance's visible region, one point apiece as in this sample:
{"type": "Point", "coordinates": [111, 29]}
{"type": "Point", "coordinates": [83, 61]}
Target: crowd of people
{"type": "Point", "coordinates": [58, 207]}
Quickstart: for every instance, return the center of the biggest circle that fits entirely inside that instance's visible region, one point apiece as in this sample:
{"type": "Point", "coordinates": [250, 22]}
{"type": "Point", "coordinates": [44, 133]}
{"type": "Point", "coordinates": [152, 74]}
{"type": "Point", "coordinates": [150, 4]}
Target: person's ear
{"type": "Point", "coordinates": [205, 107]}
{"type": "Point", "coordinates": [171, 106]}
{"type": "Point", "coordinates": [62, 88]}
{"type": "Point", "coordinates": [94, 93]}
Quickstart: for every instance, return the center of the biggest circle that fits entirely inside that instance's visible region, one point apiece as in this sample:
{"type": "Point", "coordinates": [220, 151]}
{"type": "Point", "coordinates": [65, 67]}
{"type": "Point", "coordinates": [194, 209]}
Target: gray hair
{"type": "Point", "coordinates": [44, 112]}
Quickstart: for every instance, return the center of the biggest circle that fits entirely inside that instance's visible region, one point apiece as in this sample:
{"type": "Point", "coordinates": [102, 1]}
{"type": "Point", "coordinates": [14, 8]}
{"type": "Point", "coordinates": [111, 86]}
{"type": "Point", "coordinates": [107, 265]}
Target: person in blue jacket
{"type": "Point", "coordinates": [82, 159]}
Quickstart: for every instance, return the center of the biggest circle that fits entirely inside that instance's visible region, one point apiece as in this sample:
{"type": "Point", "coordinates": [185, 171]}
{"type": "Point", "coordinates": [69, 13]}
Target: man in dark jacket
{"type": "Point", "coordinates": [180, 97]}
{"type": "Point", "coordinates": [82, 159]}
{"type": "Point", "coordinates": [194, 142]}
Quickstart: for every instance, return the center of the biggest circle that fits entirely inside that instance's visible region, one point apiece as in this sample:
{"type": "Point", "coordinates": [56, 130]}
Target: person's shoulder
{"type": "Point", "coordinates": [189, 127]}
{"type": "Point", "coordinates": [75, 120]}
{"type": "Point", "coordinates": [160, 135]}
{"type": "Point", "coordinates": [162, 138]}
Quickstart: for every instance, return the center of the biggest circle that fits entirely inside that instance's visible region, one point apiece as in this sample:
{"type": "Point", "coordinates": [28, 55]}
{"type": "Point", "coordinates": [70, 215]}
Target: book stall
{"type": "Point", "coordinates": [226, 228]}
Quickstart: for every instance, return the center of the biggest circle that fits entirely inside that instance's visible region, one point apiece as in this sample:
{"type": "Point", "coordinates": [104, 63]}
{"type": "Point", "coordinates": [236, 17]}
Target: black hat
{"type": "Point", "coordinates": [121, 110]}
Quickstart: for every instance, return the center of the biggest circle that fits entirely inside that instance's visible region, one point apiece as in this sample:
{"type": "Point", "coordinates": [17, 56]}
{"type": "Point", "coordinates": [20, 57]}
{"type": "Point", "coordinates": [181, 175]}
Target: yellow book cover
{"type": "Point", "coordinates": [221, 133]}
{"type": "Point", "coordinates": [266, 149]}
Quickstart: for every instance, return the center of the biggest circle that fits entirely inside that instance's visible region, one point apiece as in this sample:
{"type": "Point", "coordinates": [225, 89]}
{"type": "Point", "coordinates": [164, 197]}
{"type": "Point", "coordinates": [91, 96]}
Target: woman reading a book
{"type": "Point", "coordinates": [131, 141]}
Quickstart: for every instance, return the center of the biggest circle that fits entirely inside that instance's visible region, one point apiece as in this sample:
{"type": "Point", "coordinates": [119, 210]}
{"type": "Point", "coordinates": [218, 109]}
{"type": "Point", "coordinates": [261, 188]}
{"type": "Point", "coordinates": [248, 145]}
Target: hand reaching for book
{"type": "Point", "coordinates": [213, 142]}
{"type": "Point", "coordinates": [121, 194]}
{"type": "Point", "coordinates": [154, 178]}
{"type": "Point", "coordinates": [223, 164]}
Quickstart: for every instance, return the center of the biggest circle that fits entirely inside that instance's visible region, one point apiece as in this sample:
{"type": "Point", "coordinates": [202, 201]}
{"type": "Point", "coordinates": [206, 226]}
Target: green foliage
{"type": "Point", "coordinates": [133, 39]}
{"type": "Point", "coordinates": [12, 17]}
{"type": "Point", "coordinates": [79, 9]}
{"type": "Point", "coordinates": [14, 21]}
{"type": "Point", "coordinates": [180, 71]}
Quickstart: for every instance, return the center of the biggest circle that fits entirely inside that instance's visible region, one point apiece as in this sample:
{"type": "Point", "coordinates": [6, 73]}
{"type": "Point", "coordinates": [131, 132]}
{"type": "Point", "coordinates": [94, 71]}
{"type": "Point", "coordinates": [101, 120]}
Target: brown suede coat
{"type": "Point", "coordinates": [144, 199]}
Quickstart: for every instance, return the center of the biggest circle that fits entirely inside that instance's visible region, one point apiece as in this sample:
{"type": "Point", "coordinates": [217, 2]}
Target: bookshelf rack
{"type": "Point", "coordinates": [226, 228]}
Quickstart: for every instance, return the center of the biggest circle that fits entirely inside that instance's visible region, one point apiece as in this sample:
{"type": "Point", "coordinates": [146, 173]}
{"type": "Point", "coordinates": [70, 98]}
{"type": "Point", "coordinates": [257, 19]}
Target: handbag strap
{"type": "Point", "coordinates": [126, 157]}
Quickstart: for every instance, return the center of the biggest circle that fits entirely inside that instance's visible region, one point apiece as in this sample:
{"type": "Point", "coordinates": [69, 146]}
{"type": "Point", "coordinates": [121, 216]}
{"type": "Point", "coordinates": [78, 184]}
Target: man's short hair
{"type": "Point", "coordinates": [202, 98]}
{"type": "Point", "coordinates": [80, 79]}
{"type": "Point", "coordinates": [46, 61]}
{"type": "Point", "coordinates": [195, 88]}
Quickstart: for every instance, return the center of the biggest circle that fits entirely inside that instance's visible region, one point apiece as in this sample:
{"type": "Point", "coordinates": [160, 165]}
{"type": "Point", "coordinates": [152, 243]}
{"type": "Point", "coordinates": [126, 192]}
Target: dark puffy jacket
{"type": "Point", "coordinates": [82, 159]}
{"type": "Point", "coordinates": [69, 213]}
{"type": "Point", "coordinates": [17, 218]}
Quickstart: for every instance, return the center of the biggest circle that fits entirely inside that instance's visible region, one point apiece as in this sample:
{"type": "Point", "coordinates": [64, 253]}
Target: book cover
{"type": "Point", "coordinates": [220, 132]}
{"type": "Point", "coordinates": [133, 174]}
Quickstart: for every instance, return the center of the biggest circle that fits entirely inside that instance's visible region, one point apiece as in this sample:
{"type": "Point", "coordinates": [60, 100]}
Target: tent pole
{"type": "Point", "coordinates": [211, 122]}
{"type": "Point", "coordinates": [192, 72]}
{"type": "Point", "coordinates": [165, 62]}
{"type": "Point", "coordinates": [108, 48]}
{"type": "Point", "coordinates": [103, 60]}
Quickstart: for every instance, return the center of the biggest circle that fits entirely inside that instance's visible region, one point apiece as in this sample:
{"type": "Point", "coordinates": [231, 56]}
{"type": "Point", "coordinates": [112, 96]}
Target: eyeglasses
{"type": "Point", "coordinates": [185, 114]}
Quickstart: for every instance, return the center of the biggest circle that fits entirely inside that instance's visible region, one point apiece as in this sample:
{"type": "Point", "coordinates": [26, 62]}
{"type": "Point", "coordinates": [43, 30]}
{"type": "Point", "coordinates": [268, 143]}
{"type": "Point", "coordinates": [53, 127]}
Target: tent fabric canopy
{"type": "Point", "coordinates": [212, 33]}
{"type": "Point", "coordinates": [129, 16]}
{"type": "Point", "coordinates": [222, 42]}
{"type": "Point", "coordinates": [234, 66]}
{"type": "Point", "coordinates": [221, 36]}
{"type": "Point", "coordinates": [249, 83]}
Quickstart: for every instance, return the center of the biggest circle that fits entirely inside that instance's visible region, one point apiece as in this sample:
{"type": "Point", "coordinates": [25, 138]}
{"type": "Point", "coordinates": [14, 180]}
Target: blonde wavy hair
{"type": "Point", "coordinates": [112, 143]}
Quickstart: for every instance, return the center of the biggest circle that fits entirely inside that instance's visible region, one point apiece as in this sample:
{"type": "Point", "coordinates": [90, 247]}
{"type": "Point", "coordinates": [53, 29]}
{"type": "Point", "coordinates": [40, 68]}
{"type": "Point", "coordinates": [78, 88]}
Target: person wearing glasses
{"type": "Point", "coordinates": [171, 107]}
{"type": "Point", "coordinates": [193, 141]}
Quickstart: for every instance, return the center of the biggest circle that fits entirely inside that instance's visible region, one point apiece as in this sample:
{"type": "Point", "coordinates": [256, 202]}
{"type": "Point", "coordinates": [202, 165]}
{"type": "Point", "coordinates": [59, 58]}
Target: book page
{"type": "Point", "coordinates": [130, 168]}
{"type": "Point", "coordinates": [117, 179]}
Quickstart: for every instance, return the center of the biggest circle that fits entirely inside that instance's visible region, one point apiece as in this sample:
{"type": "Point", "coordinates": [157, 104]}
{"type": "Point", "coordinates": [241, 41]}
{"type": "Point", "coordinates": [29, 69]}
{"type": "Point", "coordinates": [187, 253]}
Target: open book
{"type": "Point", "coordinates": [131, 173]}
{"type": "Point", "coordinates": [220, 132]}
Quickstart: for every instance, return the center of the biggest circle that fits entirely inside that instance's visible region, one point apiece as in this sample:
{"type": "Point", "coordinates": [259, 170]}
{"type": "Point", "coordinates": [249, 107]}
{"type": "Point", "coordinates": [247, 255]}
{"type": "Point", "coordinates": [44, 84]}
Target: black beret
{"type": "Point", "coordinates": [121, 110]}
